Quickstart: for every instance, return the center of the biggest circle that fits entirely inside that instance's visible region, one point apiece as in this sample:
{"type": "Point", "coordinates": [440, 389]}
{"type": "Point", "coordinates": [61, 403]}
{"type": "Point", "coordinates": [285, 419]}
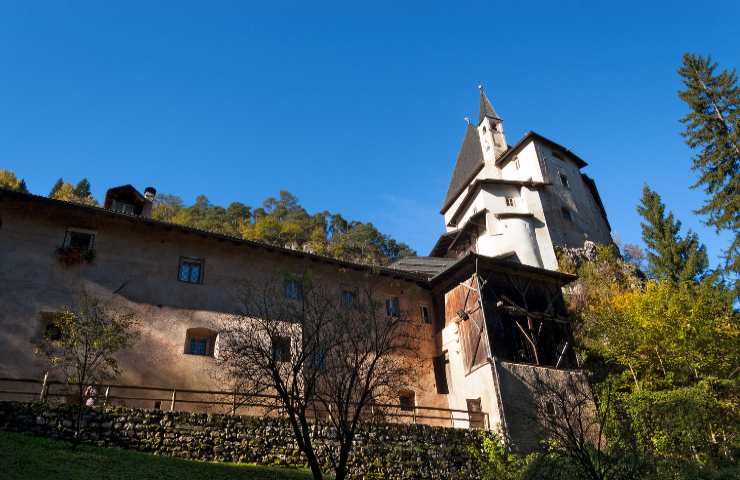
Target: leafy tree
{"type": "Point", "coordinates": [712, 126]}
{"type": "Point", "coordinates": [57, 186]}
{"type": "Point", "coordinates": [312, 355]}
{"type": "Point", "coordinates": [669, 255]}
{"type": "Point", "coordinates": [10, 181]}
{"type": "Point", "coordinates": [634, 254]}
{"type": "Point", "coordinates": [166, 207]}
{"type": "Point", "coordinates": [495, 461]}
{"type": "Point", "coordinates": [670, 350]}
{"type": "Point", "coordinates": [82, 342]}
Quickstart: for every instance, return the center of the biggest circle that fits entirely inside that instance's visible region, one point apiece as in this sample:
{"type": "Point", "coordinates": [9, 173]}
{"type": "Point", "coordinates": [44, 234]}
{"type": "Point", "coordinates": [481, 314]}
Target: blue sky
{"type": "Point", "coordinates": [355, 108]}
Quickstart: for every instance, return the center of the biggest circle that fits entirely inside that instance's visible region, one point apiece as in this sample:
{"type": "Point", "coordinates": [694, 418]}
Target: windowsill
{"type": "Point", "coordinates": [198, 355]}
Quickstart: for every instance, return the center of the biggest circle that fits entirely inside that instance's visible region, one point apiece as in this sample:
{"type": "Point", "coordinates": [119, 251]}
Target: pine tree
{"type": "Point", "coordinates": [670, 257]}
{"type": "Point", "coordinates": [56, 188]}
{"type": "Point", "coordinates": [82, 189]}
{"type": "Point", "coordinates": [712, 129]}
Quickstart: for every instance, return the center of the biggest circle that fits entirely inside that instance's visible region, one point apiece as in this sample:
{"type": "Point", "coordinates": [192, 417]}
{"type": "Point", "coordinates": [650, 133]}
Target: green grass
{"type": "Point", "coordinates": [31, 458]}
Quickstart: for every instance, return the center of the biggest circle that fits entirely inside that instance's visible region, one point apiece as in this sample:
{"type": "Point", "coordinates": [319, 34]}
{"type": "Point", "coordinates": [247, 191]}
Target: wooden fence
{"type": "Point", "coordinates": [222, 401]}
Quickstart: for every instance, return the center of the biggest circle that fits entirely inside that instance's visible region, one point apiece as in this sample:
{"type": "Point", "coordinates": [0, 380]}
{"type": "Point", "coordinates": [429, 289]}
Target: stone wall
{"type": "Point", "coordinates": [391, 452]}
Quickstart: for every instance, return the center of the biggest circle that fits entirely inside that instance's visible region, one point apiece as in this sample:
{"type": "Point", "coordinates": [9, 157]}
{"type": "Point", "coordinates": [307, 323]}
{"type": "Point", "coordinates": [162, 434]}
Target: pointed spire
{"type": "Point", "coordinates": [486, 109]}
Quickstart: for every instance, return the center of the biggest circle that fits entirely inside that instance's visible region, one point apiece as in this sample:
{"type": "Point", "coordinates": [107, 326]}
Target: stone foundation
{"type": "Point", "coordinates": [381, 451]}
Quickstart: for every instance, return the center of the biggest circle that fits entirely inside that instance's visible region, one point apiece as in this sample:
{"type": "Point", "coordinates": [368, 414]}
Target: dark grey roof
{"type": "Point", "coordinates": [486, 108]}
{"type": "Point", "coordinates": [469, 161]}
{"type": "Point", "coordinates": [427, 266]}
{"type": "Point", "coordinates": [443, 243]}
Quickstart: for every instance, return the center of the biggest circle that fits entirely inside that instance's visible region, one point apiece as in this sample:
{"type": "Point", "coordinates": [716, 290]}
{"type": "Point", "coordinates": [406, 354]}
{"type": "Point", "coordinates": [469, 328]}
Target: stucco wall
{"type": "Point", "coordinates": [522, 390]}
{"type": "Point", "coordinates": [139, 262]}
{"type": "Point", "coordinates": [588, 222]}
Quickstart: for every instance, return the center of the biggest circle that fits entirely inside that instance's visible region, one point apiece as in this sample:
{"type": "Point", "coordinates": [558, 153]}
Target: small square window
{"type": "Point", "coordinates": [425, 317]}
{"type": "Point", "coordinates": [509, 201]}
{"type": "Point", "coordinates": [407, 401]}
{"type": "Point", "coordinates": [191, 270]}
{"type": "Point", "coordinates": [200, 341]}
{"type": "Point", "coordinates": [564, 180]}
{"type": "Point", "coordinates": [79, 240]}
{"type": "Point", "coordinates": [293, 289]}
{"type": "Point", "coordinates": [393, 307]}
{"type": "Point", "coordinates": [281, 349]}
{"type": "Point", "coordinates": [348, 299]}
{"type": "Point", "coordinates": [567, 214]}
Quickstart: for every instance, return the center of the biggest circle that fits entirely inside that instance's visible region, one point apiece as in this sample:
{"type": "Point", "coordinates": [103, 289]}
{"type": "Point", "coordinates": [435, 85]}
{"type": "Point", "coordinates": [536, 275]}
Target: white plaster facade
{"type": "Point", "coordinates": [533, 193]}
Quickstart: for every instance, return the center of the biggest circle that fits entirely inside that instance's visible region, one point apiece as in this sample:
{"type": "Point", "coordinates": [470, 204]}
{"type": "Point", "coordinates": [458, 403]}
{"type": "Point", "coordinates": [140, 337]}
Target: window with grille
{"type": "Point", "coordinates": [79, 240]}
{"type": "Point", "coordinates": [348, 299]}
{"type": "Point", "coordinates": [509, 201]}
{"type": "Point", "coordinates": [200, 341]}
{"type": "Point", "coordinates": [191, 270]}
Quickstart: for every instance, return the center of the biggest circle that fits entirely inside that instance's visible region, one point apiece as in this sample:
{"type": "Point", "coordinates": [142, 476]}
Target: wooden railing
{"type": "Point", "coordinates": [221, 401]}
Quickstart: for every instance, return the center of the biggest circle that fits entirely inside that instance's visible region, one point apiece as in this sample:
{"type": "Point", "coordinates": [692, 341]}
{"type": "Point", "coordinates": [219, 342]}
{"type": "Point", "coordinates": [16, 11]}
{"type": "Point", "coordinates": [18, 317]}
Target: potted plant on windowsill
{"type": "Point", "coordinates": [75, 256]}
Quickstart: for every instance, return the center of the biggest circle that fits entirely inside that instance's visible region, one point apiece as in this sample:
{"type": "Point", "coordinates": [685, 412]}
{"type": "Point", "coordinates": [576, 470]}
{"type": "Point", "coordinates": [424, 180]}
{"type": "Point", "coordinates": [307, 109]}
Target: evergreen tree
{"type": "Point", "coordinates": [712, 129]}
{"type": "Point", "coordinates": [59, 183]}
{"type": "Point", "coordinates": [670, 257]}
{"type": "Point", "coordinates": [22, 187]}
{"type": "Point", "coordinates": [82, 189]}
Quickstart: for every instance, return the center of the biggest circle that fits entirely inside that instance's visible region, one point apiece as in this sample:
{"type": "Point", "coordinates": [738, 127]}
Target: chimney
{"type": "Point", "coordinates": [149, 194]}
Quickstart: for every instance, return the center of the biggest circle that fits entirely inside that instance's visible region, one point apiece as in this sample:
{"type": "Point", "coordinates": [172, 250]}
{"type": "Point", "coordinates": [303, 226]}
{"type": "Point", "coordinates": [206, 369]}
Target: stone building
{"type": "Point", "coordinates": [489, 314]}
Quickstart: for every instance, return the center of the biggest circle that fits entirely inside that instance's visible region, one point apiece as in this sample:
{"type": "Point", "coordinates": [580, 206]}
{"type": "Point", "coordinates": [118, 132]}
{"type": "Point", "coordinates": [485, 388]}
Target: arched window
{"type": "Point", "coordinates": [200, 341]}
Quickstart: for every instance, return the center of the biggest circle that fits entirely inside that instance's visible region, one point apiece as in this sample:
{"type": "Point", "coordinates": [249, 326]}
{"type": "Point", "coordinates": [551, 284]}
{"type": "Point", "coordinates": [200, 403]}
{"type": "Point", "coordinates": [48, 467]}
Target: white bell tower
{"type": "Point", "coordinates": [490, 130]}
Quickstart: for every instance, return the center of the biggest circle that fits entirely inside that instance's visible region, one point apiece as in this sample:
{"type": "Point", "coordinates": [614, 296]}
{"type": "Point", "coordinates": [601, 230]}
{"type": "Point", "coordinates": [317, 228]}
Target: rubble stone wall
{"type": "Point", "coordinates": [385, 451]}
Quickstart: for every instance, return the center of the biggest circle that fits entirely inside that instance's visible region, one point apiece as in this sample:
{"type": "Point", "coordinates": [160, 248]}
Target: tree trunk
{"type": "Point", "coordinates": [302, 436]}
{"type": "Point", "coordinates": [340, 472]}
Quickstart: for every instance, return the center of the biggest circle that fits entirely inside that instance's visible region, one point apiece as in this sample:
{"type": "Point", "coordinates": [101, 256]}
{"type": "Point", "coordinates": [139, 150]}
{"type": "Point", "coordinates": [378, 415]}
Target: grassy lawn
{"type": "Point", "coordinates": [31, 458]}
